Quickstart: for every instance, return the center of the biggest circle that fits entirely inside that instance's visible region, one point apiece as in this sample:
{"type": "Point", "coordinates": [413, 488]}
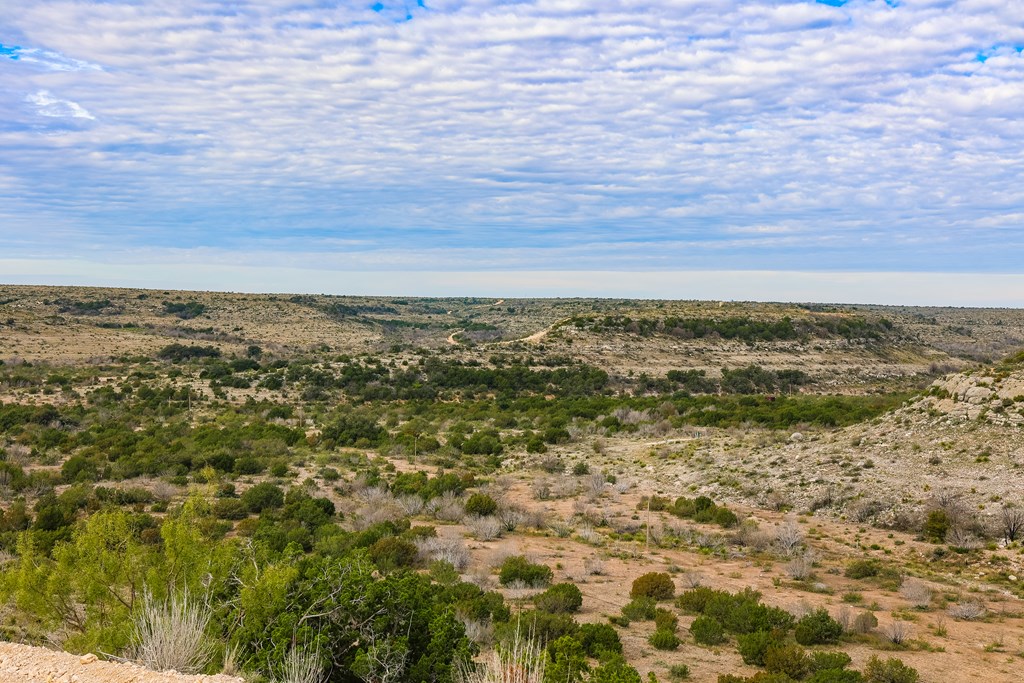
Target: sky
{"type": "Point", "coordinates": [864, 151]}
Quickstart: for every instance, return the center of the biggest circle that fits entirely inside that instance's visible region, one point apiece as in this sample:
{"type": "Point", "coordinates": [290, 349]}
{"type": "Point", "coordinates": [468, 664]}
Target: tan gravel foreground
{"type": "Point", "coordinates": [26, 664]}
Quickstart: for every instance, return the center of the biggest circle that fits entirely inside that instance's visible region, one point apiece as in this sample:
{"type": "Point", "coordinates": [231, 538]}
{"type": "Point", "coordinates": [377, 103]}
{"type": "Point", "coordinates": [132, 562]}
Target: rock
{"type": "Point", "coordinates": [88, 659]}
{"type": "Point", "coordinates": [796, 437]}
{"type": "Point", "coordinates": [977, 395]}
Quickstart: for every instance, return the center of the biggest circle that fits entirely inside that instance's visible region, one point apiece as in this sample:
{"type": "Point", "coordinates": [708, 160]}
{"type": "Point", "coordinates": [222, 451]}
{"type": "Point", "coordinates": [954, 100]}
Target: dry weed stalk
{"type": "Point", "coordinates": [521, 661]}
{"type": "Point", "coordinates": [171, 635]}
{"type": "Point", "coordinates": [302, 665]}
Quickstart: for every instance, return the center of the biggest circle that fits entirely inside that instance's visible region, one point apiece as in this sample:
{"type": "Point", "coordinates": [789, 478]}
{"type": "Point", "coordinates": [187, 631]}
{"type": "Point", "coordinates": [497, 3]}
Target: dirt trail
{"type": "Point", "coordinates": [536, 336]}
{"type": "Point", "coordinates": [27, 664]}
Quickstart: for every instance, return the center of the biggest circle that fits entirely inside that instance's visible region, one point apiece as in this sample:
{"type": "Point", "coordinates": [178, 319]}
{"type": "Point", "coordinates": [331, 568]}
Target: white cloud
{"type": "Point", "coordinates": [771, 134]}
{"type": "Point", "coordinates": [48, 105]}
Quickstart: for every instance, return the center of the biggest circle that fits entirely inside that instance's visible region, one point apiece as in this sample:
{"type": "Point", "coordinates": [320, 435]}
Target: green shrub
{"type": "Point", "coordinates": [862, 569]}
{"type": "Point", "coordinates": [518, 568]}
{"type": "Point", "coordinates": [230, 508]}
{"type": "Point", "coordinates": [753, 646]}
{"type": "Point", "coordinates": [787, 659]}
{"type": "Point", "coordinates": [891, 670]}
{"type": "Point", "coordinates": [481, 504]}
{"type": "Point", "coordinates": [619, 620]}
{"type": "Point", "coordinates": [743, 612]}
{"type": "Point", "coordinates": [936, 525]}
{"type": "Point", "coordinates": [393, 553]}
{"type": "Point", "coordinates": [580, 469]}
{"type": "Point", "coordinates": [822, 661]}
{"type": "Point", "coordinates": [545, 627]}
{"type": "Point", "coordinates": [835, 676]}
{"type": "Point", "coordinates": [640, 609]}
{"type": "Point", "coordinates": [599, 639]}
{"type": "Point", "coordinates": [663, 639]}
{"type": "Point", "coordinates": [562, 597]}
{"type": "Point", "coordinates": [567, 661]}
{"type": "Point", "coordinates": [657, 585]}
{"type": "Point", "coordinates": [678, 672]}
{"type": "Point", "coordinates": [707, 631]}
{"type": "Point", "coordinates": [817, 628]}
{"type": "Point", "coordinates": [759, 677]}
{"type": "Point", "coordinates": [263, 496]}
{"type": "Point", "coordinates": [726, 518]}
{"type": "Point", "coordinates": [614, 669]}
{"type": "Point", "coordinates": [665, 619]}
{"type": "Point", "coordinates": [694, 600]}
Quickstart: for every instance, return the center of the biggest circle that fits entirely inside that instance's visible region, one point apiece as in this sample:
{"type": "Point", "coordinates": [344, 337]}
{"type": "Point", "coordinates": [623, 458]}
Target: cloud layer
{"type": "Point", "coordinates": [467, 134]}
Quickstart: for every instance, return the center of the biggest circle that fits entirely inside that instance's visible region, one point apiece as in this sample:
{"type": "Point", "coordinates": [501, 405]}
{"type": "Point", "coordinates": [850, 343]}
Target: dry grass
{"type": "Point", "coordinates": [521, 661]}
{"type": "Point", "coordinates": [302, 665]}
{"type": "Point", "coordinates": [171, 635]}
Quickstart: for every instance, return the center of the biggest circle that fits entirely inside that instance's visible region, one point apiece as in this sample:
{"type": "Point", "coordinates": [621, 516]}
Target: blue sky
{"type": "Point", "coordinates": [404, 145]}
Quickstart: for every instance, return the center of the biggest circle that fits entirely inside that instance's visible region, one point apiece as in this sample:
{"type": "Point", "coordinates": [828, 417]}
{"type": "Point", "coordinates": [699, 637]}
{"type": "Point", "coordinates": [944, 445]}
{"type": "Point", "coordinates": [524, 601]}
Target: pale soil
{"type": "Point", "coordinates": [26, 664]}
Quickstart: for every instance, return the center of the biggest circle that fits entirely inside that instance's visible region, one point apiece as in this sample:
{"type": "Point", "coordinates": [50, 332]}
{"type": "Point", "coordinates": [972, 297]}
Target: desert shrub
{"type": "Point", "coordinates": [545, 627]}
{"type": "Point", "coordinates": [567, 661]}
{"type": "Point", "coordinates": [614, 669]}
{"type": "Point", "coordinates": [77, 468]}
{"type": "Point", "coordinates": [657, 585]}
{"type": "Point", "coordinates": [518, 568]}
{"type": "Point", "coordinates": [707, 631]}
{"type": "Point", "coordinates": [787, 659]}
{"type": "Point", "coordinates": [179, 352]}
{"type": "Point", "coordinates": [664, 619]}
{"type": "Point", "coordinates": [817, 628]}
{"type": "Point", "coordinates": [639, 609]}
{"type": "Point", "coordinates": [263, 496]}
{"type": "Point", "coordinates": [663, 639]}
{"type": "Point", "coordinates": [743, 612]}
{"type": "Point", "coordinates": [484, 528]}
{"type": "Point", "coordinates": [599, 639]}
{"type": "Point", "coordinates": [678, 672]}
{"type": "Point", "coordinates": [562, 597]}
{"type": "Point", "coordinates": [916, 592]}
{"type": "Point", "coordinates": [619, 620]}
{"type": "Point", "coordinates": [230, 508]}
{"type": "Point", "coordinates": [481, 504]}
{"type": "Point", "coordinates": [835, 676]}
{"type": "Point", "coordinates": [393, 553]}
{"type": "Point", "coordinates": [753, 646]}
{"type": "Point", "coordinates": [864, 622]}
{"type": "Point", "coordinates": [825, 661]}
{"type": "Point", "coordinates": [892, 670]}
{"type": "Point", "coordinates": [862, 569]}
{"type": "Point", "coordinates": [694, 600]}
{"type": "Point", "coordinates": [936, 526]}
{"type": "Point", "coordinates": [759, 677]}
{"type": "Point", "coordinates": [966, 610]}
{"type": "Point", "coordinates": [740, 612]}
